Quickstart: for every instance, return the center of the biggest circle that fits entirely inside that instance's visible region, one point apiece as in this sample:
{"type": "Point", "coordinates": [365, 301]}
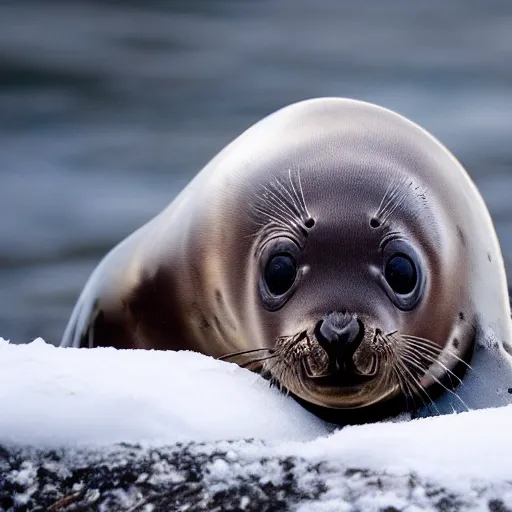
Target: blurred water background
{"type": "Point", "coordinates": [108, 108]}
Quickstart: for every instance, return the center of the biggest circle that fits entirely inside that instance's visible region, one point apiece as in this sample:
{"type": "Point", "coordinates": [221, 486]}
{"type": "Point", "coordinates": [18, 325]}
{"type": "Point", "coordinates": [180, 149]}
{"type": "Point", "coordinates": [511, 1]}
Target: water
{"type": "Point", "coordinates": [107, 109]}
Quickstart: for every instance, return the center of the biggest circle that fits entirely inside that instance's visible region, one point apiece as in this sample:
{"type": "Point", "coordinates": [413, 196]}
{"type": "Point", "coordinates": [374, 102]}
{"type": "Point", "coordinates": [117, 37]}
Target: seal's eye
{"type": "Point", "coordinates": [401, 274]}
{"type": "Point", "coordinates": [280, 273]}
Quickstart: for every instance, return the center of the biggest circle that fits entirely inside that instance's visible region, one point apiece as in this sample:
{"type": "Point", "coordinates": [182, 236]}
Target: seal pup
{"type": "Point", "coordinates": [337, 248]}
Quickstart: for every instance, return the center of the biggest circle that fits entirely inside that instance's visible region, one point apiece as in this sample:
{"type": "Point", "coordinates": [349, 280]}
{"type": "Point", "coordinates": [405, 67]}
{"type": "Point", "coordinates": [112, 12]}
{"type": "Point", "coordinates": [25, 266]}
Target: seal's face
{"type": "Point", "coordinates": [349, 284]}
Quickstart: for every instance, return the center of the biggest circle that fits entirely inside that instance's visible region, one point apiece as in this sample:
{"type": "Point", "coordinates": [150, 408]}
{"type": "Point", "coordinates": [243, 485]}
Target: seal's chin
{"type": "Point", "coordinates": [342, 389]}
{"type": "Point", "coordinates": [346, 397]}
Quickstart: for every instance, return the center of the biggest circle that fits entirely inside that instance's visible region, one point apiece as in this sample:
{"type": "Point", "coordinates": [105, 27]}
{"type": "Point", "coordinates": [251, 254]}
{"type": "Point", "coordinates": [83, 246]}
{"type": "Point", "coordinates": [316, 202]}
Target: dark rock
{"type": "Point", "coordinates": [212, 477]}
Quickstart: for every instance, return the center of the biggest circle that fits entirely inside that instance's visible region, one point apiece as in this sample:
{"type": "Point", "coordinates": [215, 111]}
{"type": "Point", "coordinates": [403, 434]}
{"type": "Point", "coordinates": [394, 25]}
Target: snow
{"type": "Point", "coordinates": [454, 447]}
{"type": "Point", "coordinates": [244, 441]}
{"type": "Point", "coordinates": [53, 396]}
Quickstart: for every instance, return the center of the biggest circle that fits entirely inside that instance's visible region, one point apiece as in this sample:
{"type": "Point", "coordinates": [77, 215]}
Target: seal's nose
{"type": "Point", "coordinates": [340, 334]}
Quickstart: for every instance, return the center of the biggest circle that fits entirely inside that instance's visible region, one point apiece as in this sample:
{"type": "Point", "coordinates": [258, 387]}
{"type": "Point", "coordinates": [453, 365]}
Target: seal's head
{"type": "Point", "coordinates": [334, 246]}
{"type": "Point", "coordinates": [364, 266]}
{"type": "Point", "coordinates": [360, 288]}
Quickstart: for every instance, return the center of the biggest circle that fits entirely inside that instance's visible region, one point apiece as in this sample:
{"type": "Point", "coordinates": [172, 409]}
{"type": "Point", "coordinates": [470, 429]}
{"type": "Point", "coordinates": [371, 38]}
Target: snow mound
{"type": "Point", "coordinates": [103, 429]}
{"type": "Point", "coordinates": [53, 396]}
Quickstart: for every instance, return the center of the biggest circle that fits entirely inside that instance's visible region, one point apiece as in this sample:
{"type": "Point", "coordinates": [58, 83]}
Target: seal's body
{"type": "Point", "coordinates": [337, 248]}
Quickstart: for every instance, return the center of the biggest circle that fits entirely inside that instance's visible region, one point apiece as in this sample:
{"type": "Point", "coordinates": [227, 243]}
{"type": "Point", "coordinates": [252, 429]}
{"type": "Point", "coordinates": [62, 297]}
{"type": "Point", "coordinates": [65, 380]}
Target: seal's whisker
{"type": "Point", "coordinates": [394, 207]}
{"type": "Point", "coordinates": [402, 383]}
{"type": "Point", "coordinates": [278, 210]}
{"type": "Point", "coordinates": [397, 371]}
{"type": "Point", "coordinates": [390, 200]}
{"type": "Point", "coordinates": [280, 380]}
{"type": "Point", "coordinates": [407, 390]}
{"type": "Point", "coordinates": [284, 218]}
{"type": "Point", "coordinates": [384, 201]}
{"type": "Point", "coordinates": [273, 206]}
{"type": "Point", "coordinates": [277, 227]}
{"type": "Point", "coordinates": [417, 383]}
{"type": "Point", "coordinates": [285, 366]}
{"type": "Point", "coordinates": [411, 392]}
{"type": "Point", "coordinates": [413, 352]}
{"type": "Point", "coordinates": [423, 352]}
{"type": "Point", "coordinates": [274, 215]}
{"type": "Point", "coordinates": [394, 197]}
{"type": "Point", "coordinates": [451, 391]}
{"type": "Point", "coordinates": [430, 344]}
{"type": "Point", "coordinates": [292, 194]}
{"type": "Point", "coordinates": [431, 405]}
{"type": "Point", "coordinates": [426, 350]}
{"type": "Point", "coordinates": [302, 193]}
{"type": "Point", "coordinates": [257, 360]}
{"type": "Point", "coordinates": [277, 222]}
{"type": "Point", "coordinates": [269, 369]}
{"type": "Point", "coordinates": [374, 365]}
{"type": "Point", "coordinates": [424, 342]}
{"type": "Point", "coordinates": [288, 193]}
{"type": "Point", "coordinates": [244, 352]}
{"type": "Point", "coordinates": [430, 353]}
{"type": "Point", "coordinates": [402, 378]}
{"type": "Point", "coordinates": [387, 200]}
{"type": "Point", "coordinates": [296, 194]}
{"type": "Point", "coordinates": [406, 358]}
{"type": "Point", "coordinates": [271, 195]}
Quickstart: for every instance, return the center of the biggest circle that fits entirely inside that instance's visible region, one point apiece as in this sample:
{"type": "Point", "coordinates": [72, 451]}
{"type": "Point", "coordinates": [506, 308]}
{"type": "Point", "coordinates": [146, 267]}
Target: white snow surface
{"type": "Point", "coordinates": [54, 397]}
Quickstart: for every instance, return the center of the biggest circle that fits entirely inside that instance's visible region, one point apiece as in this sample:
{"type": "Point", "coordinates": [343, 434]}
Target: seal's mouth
{"type": "Point", "coordinates": [340, 339]}
{"type": "Point", "coordinates": [371, 367]}
{"type": "Point", "coordinates": [350, 365]}
{"type": "Point", "coordinates": [334, 364]}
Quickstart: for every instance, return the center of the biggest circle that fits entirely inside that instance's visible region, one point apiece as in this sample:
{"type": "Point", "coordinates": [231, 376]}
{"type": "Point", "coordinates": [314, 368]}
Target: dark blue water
{"type": "Point", "coordinates": [108, 108]}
